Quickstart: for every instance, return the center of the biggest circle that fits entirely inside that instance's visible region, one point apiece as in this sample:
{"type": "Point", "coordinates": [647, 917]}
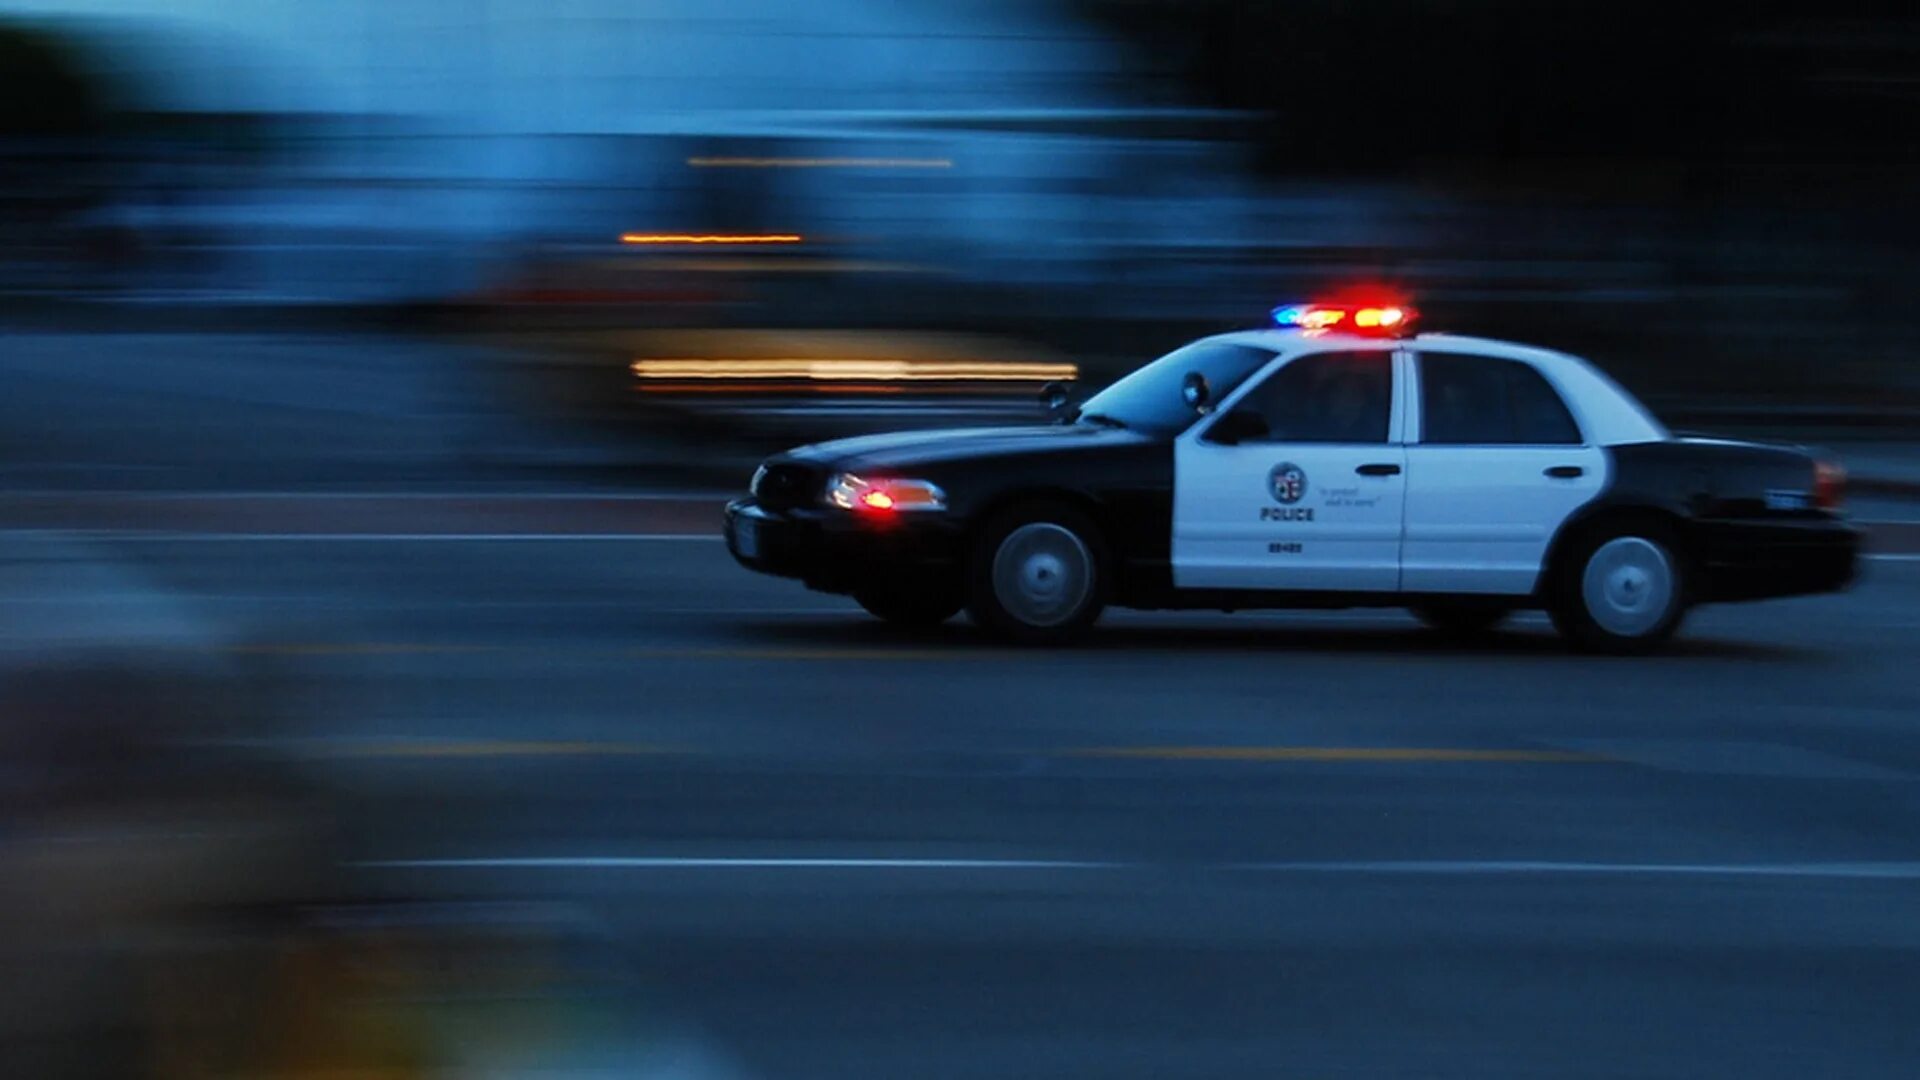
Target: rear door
{"type": "Point", "coordinates": [1309, 495]}
{"type": "Point", "coordinates": [1495, 465]}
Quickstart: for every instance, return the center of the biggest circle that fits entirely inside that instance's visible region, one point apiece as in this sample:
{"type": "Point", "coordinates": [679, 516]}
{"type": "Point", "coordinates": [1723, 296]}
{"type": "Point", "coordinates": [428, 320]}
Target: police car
{"type": "Point", "coordinates": [1335, 459]}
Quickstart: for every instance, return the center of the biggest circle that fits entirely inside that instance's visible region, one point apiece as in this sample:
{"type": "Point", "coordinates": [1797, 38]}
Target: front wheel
{"type": "Point", "coordinates": [1624, 591]}
{"type": "Point", "coordinates": [1038, 575]}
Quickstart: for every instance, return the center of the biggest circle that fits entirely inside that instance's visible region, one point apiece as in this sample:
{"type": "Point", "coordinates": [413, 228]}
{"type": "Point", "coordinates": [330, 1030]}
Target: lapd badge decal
{"type": "Point", "coordinates": [1288, 482]}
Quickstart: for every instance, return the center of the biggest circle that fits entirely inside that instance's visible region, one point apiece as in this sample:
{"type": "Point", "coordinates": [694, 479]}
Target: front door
{"type": "Point", "coordinates": [1298, 483]}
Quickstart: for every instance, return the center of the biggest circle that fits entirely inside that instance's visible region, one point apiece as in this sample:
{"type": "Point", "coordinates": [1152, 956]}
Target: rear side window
{"type": "Point", "coordinates": [1481, 401]}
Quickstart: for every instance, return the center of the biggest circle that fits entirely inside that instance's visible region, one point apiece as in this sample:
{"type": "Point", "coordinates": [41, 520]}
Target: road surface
{"type": "Point", "coordinates": [1312, 845]}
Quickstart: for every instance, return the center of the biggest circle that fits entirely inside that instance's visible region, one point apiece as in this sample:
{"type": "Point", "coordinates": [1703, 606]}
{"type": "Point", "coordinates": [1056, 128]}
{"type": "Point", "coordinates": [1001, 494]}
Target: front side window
{"type": "Point", "coordinates": [1336, 397]}
{"type": "Point", "coordinates": [1150, 399]}
{"type": "Point", "coordinates": [1482, 401]}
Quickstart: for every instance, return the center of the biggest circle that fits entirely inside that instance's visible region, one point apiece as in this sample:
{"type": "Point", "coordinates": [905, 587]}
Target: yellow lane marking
{"type": "Point", "coordinates": [1335, 753]}
{"type": "Point", "coordinates": [475, 748]}
{"type": "Point", "coordinates": [358, 648]}
{"type": "Point", "coordinates": [822, 654]}
{"type": "Point", "coordinates": [377, 648]}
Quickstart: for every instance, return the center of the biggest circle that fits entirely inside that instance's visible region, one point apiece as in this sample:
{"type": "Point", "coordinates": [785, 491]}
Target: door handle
{"type": "Point", "coordinates": [1379, 469]}
{"type": "Point", "coordinates": [1566, 472]}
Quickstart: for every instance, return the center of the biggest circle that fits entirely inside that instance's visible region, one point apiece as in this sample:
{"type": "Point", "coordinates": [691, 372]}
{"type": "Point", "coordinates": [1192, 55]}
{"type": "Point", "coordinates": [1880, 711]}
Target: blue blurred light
{"type": "Point", "coordinates": [1290, 315]}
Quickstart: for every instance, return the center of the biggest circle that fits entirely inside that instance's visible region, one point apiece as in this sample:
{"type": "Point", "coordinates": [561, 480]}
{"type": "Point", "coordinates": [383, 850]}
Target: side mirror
{"type": "Point", "coordinates": [1195, 392]}
{"type": "Point", "coordinates": [1238, 427]}
{"type": "Point", "coordinates": [1055, 396]}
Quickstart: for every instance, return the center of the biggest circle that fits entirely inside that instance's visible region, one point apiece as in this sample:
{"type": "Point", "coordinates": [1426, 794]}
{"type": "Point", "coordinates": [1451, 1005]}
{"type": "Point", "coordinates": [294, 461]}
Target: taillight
{"type": "Point", "coordinates": [1829, 484]}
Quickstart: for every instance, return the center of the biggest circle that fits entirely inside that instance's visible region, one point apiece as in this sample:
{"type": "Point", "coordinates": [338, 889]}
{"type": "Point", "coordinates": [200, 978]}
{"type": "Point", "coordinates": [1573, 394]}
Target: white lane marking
{"type": "Point", "coordinates": [1884, 871]}
{"type": "Point", "coordinates": [1892, 871]}
{"type": "Point", "coordinates": [696, 863]}
{"type": "Point", "coordinates": [1889, 557]}
{"type": "Point", "coordinates": [1271, 615]}
{"type": "Point", "coordinates": [401, 538]}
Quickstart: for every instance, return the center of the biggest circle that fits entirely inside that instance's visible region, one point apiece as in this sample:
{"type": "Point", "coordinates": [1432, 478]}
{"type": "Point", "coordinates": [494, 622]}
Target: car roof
{"type": "Point", "coordinates": [1608, 414]}
{"type": "Point", "coordinates": [1324, 340]}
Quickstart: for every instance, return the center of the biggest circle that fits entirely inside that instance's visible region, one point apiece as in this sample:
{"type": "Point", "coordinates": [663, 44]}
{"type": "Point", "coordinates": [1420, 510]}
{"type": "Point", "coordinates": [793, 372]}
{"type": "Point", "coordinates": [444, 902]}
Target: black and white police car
{"type": "Point", "coordinates": [1334, 460]}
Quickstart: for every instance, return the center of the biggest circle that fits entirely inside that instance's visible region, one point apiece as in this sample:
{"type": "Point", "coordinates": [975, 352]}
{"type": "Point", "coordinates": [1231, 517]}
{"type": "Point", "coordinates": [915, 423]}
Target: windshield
{"type": "Point", "coordinates": [1149, 399]}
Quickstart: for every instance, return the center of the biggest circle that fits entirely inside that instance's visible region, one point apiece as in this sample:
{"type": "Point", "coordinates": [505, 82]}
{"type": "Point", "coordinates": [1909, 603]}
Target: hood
{"type": "Point", "coordinates": [910, 448]}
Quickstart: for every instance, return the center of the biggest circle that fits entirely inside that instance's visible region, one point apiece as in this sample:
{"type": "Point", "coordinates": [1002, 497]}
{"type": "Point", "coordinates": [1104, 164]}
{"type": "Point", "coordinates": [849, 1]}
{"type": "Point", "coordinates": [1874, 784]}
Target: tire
{"type": "Point", "coordinates": [1038, 575]}
{"type": "Point", "coordinates": [909, 607]}
{"type": "Point", "coordinates": [1623, 589]}
{"type": "Point", "coordinates": [1460, 618]}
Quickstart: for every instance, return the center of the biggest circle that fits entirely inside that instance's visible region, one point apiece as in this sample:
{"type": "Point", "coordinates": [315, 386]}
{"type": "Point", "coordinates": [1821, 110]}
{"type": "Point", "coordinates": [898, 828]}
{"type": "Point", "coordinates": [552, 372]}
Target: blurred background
{"type": "Point", "coordinates": [376, 701]}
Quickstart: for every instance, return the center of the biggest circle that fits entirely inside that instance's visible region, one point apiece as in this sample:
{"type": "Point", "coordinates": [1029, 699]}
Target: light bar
{"type": "Point", "coordinates": [1372, 319]}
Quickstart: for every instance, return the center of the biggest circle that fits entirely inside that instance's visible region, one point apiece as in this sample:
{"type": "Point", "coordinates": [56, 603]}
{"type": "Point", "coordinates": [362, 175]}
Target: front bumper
{"type": "Point", "coordinates": [1754, 560]}
{"type": "Point", "coordinates": [840, 551]}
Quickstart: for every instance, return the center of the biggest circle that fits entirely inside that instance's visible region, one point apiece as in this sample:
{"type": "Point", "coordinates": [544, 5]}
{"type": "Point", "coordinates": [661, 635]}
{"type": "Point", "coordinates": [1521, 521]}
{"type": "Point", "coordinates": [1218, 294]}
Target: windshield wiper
{"type": "Point", "coordinates": [1103, 420]}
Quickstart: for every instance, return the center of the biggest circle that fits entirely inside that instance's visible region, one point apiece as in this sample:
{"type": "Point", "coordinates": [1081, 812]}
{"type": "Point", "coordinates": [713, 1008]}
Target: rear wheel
{"type": "Point", "coordinates": [1038, 575]}
{"type": "Point", "coordinates": [910, 607]}
{"type": "Point", "coordinates": [1623, 591]}
{"type": "Point", "coordinates": [1461, 619]}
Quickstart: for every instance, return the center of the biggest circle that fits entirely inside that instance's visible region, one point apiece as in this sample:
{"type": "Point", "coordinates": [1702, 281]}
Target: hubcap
{"type": "Point", "coordinates": [1042, 573]}
{"type": "Point", "coordinates": [1628, 586]}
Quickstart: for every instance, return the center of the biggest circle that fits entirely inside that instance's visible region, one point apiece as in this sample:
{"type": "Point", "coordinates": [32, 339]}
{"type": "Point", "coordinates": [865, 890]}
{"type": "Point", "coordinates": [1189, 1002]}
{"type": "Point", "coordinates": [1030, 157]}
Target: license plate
{"type": "Point", "coordinates": [746, 537]}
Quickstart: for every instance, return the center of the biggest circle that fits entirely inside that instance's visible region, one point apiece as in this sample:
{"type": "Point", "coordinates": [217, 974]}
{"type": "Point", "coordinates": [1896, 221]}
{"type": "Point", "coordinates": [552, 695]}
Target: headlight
{"type": "Point", "coordinates": [883, 494]}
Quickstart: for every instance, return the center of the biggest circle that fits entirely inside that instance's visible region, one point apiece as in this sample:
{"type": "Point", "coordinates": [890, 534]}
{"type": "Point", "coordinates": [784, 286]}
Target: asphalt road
{"type": "Point", "coordinates": [1306, 845]}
